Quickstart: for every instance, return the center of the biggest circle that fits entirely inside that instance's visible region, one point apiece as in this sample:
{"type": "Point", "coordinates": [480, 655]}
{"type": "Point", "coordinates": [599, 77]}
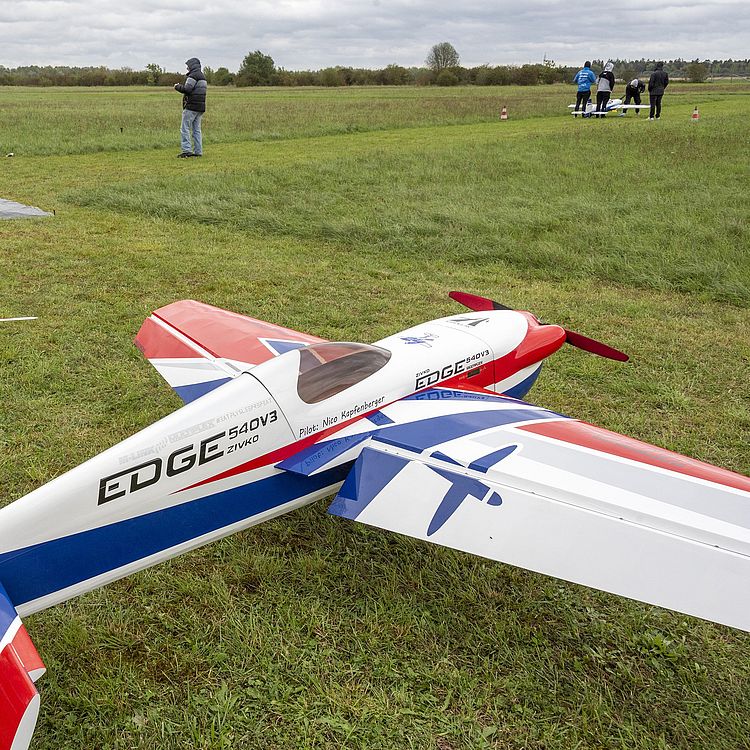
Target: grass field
{"type": "Point", "coordinates": [351, 214]}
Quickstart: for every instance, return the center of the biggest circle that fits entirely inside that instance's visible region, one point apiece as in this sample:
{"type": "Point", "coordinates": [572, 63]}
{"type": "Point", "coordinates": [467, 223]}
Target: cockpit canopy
{"type": "Point", "coordinates": [328, 368]}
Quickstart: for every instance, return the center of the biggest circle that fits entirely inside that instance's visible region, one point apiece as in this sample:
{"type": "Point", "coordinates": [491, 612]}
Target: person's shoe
{"type": "Point", "coordinates": [184, 155]}
{"type": "Point", "coordinates": [196, 154]}
{"type": "Point", "coordinates": [650, 118]}
{"type": "Point", "coordinates": [622, 114]}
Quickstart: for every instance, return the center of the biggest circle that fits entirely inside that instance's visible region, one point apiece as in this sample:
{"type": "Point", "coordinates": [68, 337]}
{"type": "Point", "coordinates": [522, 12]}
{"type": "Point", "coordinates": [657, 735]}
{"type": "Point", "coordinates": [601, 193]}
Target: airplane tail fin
{"type": "Point", "coordinates": [20, 667]}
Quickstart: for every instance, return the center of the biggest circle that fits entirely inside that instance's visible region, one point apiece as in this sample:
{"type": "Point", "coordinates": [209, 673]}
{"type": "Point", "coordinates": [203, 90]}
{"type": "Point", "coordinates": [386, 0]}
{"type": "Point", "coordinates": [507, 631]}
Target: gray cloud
{"type": "Point", "coordinates": [302, 34]}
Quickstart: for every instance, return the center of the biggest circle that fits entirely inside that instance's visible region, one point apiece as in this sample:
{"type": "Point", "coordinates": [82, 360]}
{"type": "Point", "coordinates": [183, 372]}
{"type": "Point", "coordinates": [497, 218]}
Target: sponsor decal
{"type": "Point", "coordinates": [472, 322]}
{"type": "Point", "coordinates": [424, 340]}
{"type": "Point", "coordinates": [430, 377]}
{"type": "Point", "coordinates": [185, 458]}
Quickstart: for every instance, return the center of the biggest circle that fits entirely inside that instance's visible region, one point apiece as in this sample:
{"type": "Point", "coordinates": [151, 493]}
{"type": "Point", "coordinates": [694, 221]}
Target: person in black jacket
{"type": "Point", "coordinates": [604, 86]}
{"type": "Point", "coordinates": [656, 84]}
{"type": "Point", "coordinates": [193, 106]}
{"type": "Point", "coordinates": [633, 91]}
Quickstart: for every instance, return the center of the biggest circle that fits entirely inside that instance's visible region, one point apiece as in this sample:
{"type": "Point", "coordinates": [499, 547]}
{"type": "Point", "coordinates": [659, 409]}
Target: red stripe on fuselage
{"type": "Point", "coordinates": [286, 451]}
{"type": "Point", "coordinates": [599, 439]}
{"type": "Point", "coordinates": [280, 454]}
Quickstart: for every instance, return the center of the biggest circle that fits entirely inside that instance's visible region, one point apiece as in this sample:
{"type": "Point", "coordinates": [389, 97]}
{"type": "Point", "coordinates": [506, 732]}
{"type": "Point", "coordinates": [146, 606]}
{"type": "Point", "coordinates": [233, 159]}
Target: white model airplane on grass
{"type": "Point", "coordinates": [421, 433]}
{"type": "Point", "coordinates": [613, 105]}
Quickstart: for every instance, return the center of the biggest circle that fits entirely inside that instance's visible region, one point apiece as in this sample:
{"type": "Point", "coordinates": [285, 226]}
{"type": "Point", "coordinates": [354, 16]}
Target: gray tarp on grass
{"type": "Point", "coordinates": [13, 210]}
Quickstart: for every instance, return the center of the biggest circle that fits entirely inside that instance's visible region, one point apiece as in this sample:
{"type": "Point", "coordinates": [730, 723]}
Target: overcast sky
{"type": "Point", "coordinates": [311, 34]}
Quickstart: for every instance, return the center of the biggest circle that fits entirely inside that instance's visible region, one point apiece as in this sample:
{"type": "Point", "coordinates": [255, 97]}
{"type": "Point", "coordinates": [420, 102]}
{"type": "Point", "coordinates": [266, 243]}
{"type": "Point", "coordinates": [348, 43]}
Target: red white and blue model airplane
{"type": "Point", "coordinates": [613, 105]}
{"type": "Point", "coordinates": [421, 433]}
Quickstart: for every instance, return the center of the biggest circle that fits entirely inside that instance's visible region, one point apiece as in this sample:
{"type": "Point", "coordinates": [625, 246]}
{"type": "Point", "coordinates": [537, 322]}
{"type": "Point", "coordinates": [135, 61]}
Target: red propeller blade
{"type": "Point", "coordinates": [594, 346]}
{"type": "Point", "coordinates": [473, 302]}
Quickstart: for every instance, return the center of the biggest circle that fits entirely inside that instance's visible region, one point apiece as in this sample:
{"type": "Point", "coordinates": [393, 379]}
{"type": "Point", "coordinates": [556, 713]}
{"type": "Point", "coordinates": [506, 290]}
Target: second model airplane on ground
{"type": "Point", "coordinates": [421, 433]}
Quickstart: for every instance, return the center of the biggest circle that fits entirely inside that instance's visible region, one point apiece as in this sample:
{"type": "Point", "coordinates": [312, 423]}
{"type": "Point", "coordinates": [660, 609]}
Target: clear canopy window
{"type": "Point", "coordinates": [329, 368]}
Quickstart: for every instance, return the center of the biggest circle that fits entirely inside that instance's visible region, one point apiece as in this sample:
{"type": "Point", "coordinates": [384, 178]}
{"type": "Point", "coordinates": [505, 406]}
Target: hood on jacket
{"type": "Point", "coordinates": [193, 63]}
{"type": "Point", "coordinates": [609, 67]}
{"type": "Point", "coordinates": [659, 65]}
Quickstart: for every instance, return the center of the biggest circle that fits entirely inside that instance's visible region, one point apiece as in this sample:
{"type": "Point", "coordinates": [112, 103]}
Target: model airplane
{"type": "Point", "coordinates": [421, 433]}
{"type": "Point", "coordinates": [613, 105]}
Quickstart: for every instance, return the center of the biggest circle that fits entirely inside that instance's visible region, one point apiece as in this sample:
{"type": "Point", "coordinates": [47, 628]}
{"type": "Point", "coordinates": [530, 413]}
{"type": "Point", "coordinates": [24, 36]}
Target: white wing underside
{"type": "Point", "coordinates": [615, 524]}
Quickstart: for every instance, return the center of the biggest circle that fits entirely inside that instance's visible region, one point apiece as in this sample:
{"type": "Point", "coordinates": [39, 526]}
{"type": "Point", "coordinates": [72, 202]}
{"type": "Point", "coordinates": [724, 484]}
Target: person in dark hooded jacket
{"type": "Point", "coordinates": [656, 85]}
{"type": "Point", "coordinates": [193, 92]}
{"type": "Point", "coordinates": [604, 87]}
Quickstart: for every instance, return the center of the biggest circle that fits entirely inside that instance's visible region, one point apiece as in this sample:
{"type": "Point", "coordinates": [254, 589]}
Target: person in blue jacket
{"type": "Point", "coordinates": [584, 78]}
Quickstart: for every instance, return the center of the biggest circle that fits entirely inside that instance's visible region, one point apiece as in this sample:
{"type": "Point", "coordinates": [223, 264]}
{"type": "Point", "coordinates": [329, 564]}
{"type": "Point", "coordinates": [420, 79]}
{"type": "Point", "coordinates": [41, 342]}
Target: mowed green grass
{"type": "Point", "coordinates": [310, 631]}
{"type": "Point", "coordinates": [69, 120]}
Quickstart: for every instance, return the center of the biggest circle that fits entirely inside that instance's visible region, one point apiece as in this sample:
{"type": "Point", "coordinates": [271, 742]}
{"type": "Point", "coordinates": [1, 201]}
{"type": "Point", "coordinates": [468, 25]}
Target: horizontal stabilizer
{"type": "Point", "coordinates": [671, 535]}
{"type": "Point", "coordinates": [20, 666]}
{"type": "Point", "coordinates": [197, 347]}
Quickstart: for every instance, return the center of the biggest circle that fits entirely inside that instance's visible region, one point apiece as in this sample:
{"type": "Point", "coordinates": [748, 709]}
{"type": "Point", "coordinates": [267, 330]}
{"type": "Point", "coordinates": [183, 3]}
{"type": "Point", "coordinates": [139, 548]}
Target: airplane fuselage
{"type": "Point", "coordinates": [210, 468]}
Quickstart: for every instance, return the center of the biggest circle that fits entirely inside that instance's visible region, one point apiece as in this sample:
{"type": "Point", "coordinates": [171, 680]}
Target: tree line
{"type": "Point", "coordinates": [442, 67]}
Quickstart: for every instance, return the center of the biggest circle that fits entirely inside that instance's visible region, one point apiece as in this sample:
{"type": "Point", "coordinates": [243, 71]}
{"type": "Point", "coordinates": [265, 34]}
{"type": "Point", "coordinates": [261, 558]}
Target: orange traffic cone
{"type": "Point", "coordinates": [504, 113]}
{"type": "Point", "coordinates": [696, 114]}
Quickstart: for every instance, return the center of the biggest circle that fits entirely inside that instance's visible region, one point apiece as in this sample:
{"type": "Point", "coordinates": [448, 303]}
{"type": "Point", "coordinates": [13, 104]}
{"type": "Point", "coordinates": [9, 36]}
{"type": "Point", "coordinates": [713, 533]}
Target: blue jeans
{"type": "Point", "coordinates": [191, 124]}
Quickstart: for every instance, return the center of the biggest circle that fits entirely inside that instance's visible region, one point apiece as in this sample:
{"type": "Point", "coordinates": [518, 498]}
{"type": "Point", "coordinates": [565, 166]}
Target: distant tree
{"type": "Point", "coordinates": [222, 77]}
{"type": "Point", "coordinates": [283, 78]}
{"type": "Point", "coordinates": [423, 76]}
{"type": "Point", "coordinates": [169, 79]}
{"type": "Point", "coordinates": [331, 77]}
{"type": "Point", "coordinates": [256, 70]}
{"type": "Point", "coordinates": [209, 73]}
{"type": "Point", "coordinates": [153, 71]}
{"type": "Point", "coordinates": [697, 72]}
{"type": "Point", "coordinates": [527, 75]}
{"type": "Point", "coordinates": [442, 56]}
{"type": "Point", "coordinates": [446, 78]}
{"type": "Point", "coordinates": [394, 75]}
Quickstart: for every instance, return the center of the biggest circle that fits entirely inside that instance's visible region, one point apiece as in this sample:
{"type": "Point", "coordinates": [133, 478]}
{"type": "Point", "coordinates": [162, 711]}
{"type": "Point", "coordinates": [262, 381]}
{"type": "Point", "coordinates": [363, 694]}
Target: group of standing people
{"type": "Point", "coordinates": [605, 84]}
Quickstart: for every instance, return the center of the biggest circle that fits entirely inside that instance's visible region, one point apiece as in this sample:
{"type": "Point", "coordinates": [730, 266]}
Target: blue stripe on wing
{"type": "Point", "coordinates": [416, 436]}
{"type": "Point", "coordinates": [461, 489]}
{"type": "Point", "coordinates": [374, 470]}
{"type": "Point", "coordinates": [370, 475]}
{"type": "Point", "coordinates": [425, 433]}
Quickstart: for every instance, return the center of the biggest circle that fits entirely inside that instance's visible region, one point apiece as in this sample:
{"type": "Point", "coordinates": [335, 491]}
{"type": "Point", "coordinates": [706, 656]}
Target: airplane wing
{"type": "Point", "coordinates": [197, 347]}
{"type": "Point", "coordinates": [515, 483]}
